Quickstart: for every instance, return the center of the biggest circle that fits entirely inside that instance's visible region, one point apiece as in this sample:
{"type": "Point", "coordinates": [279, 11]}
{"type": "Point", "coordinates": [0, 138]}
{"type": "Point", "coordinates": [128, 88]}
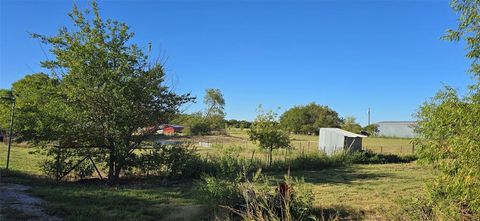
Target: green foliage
{"type": "Point", "coordinates": [36, 104]}
{"type": "Point", "coordinates": [254, 198]}
{"type": "Point", "coordinates": [215, 112]}
{"type": "Point", "coordinates": [371, 129]}
{"type": "Point", "coordinates": [309, 118]}
{"type": "Point", "coordinates": [213, 119]}
{"type": "Point", "coordinates": [350, 124]}
{"type": "Point", "coordinates": [368, 157]}
{"type": "Point", "coordinates": [102, 91]}
{"type": "Point", "coordinates": [448, 138]}
{"type": "Point", "coordinates": [195, 123]}
{"type": "Point", "coordinates": [468, 31]}
{"type": "Point", "coordinates": [176, 160]}
{"type": "Point", "coordinates": [241, 124]}
{"type": "Point", "coordinates": [448, 131]}
{"type": "Point", "coordinates": [267, 132]}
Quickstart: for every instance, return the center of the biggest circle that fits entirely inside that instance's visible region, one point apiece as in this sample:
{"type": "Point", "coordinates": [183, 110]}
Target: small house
{"type": "Point", "coordinates": [334, 139]}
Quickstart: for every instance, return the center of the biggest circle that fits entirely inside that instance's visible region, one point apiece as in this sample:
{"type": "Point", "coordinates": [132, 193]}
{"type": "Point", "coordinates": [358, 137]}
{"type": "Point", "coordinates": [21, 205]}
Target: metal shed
{"type": "Point", "coordinates": [403, 129]}
{"type": "Point", "coordinates": [335, 139]}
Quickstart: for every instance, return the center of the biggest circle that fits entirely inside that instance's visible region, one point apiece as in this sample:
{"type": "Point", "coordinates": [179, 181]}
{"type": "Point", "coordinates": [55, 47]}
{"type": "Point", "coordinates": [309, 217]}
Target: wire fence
{"type": "Point", "coordinates": [300, 146]}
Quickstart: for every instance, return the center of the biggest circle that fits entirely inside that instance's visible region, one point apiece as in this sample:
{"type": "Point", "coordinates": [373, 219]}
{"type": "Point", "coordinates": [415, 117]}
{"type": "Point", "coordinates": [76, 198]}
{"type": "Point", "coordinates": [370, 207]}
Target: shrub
{"type": "Point", "coordinates": [369, 157]}
{"type": "Point", "coordinates": [256, 199]}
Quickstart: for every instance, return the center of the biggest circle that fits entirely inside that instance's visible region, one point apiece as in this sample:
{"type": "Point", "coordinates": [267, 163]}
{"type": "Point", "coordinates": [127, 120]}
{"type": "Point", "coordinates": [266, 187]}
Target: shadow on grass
{"type": "Point", "coordinates": [94, 200]}
{"type": "Point", "coordinates": [343, 175]}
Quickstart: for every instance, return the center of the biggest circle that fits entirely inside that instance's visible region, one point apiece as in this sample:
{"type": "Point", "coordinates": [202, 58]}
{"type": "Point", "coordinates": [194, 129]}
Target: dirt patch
{"type": "Point", "coordinates": [16, 204]}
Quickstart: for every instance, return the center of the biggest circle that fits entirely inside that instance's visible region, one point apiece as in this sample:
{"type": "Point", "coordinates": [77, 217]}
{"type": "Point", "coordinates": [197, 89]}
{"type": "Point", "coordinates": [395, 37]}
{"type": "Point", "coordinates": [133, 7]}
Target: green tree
{"type": "Point", "coordinates": [371, 129]}
{"type": "Point", "coordinates": [448, 131]}
{"type": "Point", "coordinates": [266, 130]}
{"type": "Point", "coordinates": [105, 91]}
{"type": "Point", "coordinates": [215, 112]}
{"type": "Point", "coordinates": [215, 102]}
{"type": "Point", "coordinates": [309, 118]}
{"type": "Point", "coordinates": [350, 124]}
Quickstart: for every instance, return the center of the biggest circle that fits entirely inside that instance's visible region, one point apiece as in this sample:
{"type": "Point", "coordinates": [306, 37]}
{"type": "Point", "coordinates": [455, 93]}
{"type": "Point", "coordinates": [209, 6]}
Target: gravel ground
{"type": "Point", "coordinates": [16, 204]}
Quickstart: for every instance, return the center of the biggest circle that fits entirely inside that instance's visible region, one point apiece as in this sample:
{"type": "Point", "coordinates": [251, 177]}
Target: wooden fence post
{"type": "Point", "coordinates": [381, 149]}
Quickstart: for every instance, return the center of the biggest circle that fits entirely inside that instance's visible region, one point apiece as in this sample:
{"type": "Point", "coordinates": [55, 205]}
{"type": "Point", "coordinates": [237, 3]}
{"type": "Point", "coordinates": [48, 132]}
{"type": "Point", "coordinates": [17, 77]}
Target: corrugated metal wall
{"type": "Point", "coordinates": [404, 130]}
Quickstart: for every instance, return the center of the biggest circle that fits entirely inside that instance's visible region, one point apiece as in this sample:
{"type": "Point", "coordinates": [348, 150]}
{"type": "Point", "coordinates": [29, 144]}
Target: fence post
{"type": "Point", "coordinates": [401, 149]}
{"type": "Point", "coordinates": [381, 149]}
{"type": "Point", "coordinates": [413, 148]}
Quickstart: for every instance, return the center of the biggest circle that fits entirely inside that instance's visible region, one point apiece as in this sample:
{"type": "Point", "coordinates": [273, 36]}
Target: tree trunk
{"type": "Point", "coordinates": [270, 159]}
{"type": "Point", "coordinates": [111, 166]}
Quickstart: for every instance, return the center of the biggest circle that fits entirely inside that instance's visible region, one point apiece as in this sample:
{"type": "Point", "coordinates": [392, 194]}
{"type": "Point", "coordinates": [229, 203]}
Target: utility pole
{"type": "Point", "coordinates": [12, 116]}
{"type": "Point", "coordinates": [11, 132]}
{"type": "Point", "coordinates": [368, 116]}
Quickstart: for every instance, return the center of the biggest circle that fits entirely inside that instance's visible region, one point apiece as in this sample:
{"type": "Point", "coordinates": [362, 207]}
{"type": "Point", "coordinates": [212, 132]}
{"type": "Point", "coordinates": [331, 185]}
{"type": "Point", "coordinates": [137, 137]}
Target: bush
{"type": "Point", "coordinates": [256, 199]}
{"type": "Point", "coordinates": [176, 160]}
{"type": "Point", "coordinates": [369, 157]}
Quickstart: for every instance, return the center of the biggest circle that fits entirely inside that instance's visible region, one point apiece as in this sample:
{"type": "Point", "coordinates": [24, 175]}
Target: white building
{"type": "Point", "coordinates": [334, 139]}
{"type": "Point", "coordinates": [403, 129]}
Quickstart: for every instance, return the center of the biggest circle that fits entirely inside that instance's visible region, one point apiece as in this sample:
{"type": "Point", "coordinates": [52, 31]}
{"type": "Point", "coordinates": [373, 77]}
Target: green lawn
{"type": "Point", "coordinates": [367, 192]}
{"type": "Point", "coordinates": [21, 159]}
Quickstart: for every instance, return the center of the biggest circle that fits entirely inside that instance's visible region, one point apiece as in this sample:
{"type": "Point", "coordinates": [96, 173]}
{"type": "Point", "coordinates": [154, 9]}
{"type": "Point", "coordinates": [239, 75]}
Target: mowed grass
{"type": "Point", "coordinates": [22, 159]}
{"type": "Point", "coordinates": [368, 192]}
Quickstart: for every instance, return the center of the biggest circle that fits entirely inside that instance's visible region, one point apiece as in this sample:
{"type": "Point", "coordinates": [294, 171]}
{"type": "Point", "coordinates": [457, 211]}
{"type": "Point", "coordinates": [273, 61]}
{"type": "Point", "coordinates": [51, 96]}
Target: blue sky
{"type": "Point", "coordinates": [349, 55]}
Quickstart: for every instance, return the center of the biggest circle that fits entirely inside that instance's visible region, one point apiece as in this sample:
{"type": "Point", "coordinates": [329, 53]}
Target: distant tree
{"type": "Point", "coordinates": [266, 130]}
{"type": "Point", "coordinates": [105, 91]}
{"type": "Point", "coordinates": [36, 101]}
{"type": "Point", "coordinates": [5, 109]}
{"type": "Point", "coordinates": [308, 119]}
{"type": "Point", "coordinates": [371, 129]}
{"type": "Point", "coordinates": [238, 123]}
{"type": "Point", "coordinates": [245, 124]}
{"type": "Point", "coordinates": [448, 131]}
{"type": "Point", "coordinates": [350, 124]}
{"type": "Point", "coordinates": [215, 112]}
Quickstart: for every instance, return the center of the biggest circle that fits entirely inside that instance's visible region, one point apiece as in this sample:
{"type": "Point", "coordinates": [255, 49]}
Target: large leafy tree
{"type": "Point", "coordinates": [267, 131]}
{"type": "Point", "coordinates": [105, 91]}
{"type": "Point", "coordinates": [309, 118]}
{"type": "Point", "coordinates": [36, 103]}
{"type": "Point", "coordinates": [449, 131]}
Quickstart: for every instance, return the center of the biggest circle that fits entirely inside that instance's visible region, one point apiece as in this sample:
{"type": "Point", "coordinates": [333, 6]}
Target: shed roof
{"type": "Point", "coordinates": [342, 132]}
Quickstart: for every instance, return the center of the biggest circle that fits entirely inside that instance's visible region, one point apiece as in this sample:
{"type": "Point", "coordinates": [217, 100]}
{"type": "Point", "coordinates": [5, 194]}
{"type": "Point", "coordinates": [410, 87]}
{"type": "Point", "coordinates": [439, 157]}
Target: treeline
{"type": "Point", "coordinates": [301, 119]}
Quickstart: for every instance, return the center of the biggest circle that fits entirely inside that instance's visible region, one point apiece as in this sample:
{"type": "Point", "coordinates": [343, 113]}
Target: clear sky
{"type": "Point", "coordinates": [349, 55]}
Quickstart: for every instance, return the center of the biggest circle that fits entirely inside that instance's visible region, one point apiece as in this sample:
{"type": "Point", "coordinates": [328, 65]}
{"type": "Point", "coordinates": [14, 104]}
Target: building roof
{"type": "Point", "coordinates": [342, 132]}
{"type": "Point", "coordinates": [396, 122]}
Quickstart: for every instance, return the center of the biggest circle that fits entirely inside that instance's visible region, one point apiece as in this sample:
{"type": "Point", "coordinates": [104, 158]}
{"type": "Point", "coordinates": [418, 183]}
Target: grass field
{"type": "Point", "coordinates": [368, 192]}
{"type": "Point", "coordinates": [304, 143]}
